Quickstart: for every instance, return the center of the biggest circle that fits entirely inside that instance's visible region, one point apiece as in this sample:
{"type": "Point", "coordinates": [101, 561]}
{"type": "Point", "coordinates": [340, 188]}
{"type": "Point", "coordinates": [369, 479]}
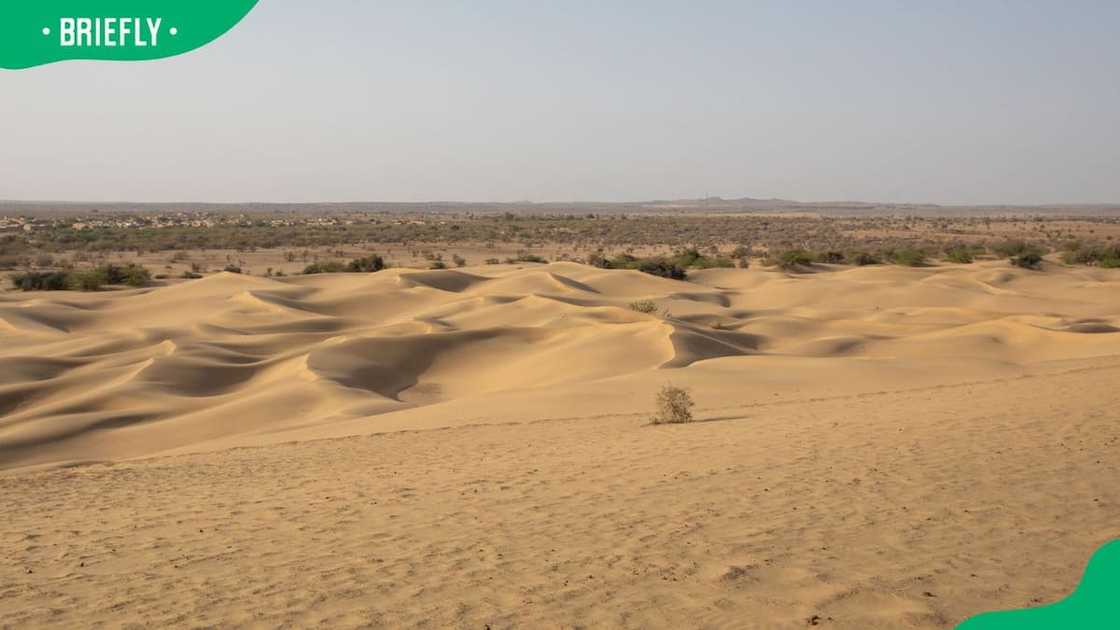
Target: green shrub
{"type": "Point", "coordinates": [326, 266]}
{"type": "Point", "coordinates": [662, 268]}
{"type": "Point", "coordinates": [792, 259]}
{"type": "Point", "coordinates": [862, 259]}
{"type": "Point", "coordinates": [644, 306]}
{"type": "Point", "coordinates": [40, 281]}
{"type": "Point", "coordinates": [131, 274]}
{"type": "Point", "coordinates": [1011, 248]}
{"type": "Point", "coordinates": [1077, 253]}
{"type": "Point", "coordinates": [86, 280]}
{"type": "Point", "coordinates": [831, 258]}
{"type": "Point", "coordinates": [908, 257]}
{"type": "Point", "coordinates": [1028, 260]}
{"type": "Point", "coordinates": [232, 269]}
{"type": "Point", "coordinates": [959, 255]}
{"type": "Point", "coordinates": [368, 264]}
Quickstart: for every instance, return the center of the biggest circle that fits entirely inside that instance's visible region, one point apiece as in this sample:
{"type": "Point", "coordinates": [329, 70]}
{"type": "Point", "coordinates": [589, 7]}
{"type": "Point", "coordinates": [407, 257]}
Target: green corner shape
{"type": "Point", "coordinates": [1095, 603]}
{"type": "Point", "coordinates": [30, 30]}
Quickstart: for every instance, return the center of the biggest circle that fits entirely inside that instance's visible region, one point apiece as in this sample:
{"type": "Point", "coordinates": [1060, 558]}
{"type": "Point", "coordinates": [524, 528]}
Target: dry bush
{"type": "Point", "coordinates": [643, 306]}
{"type": "Point", "coordinates": [674, 406]}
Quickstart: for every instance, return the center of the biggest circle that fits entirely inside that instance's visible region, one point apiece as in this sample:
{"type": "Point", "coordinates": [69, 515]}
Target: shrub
{"type": "Point", "coordinates": [1028, 260]}
{"type": "Point", "coordinates": [792, 259]}
{"type": "Point", "coordinates": [86, 280]}
{"type": "Point", "coordinates": [643, 306]}
{"type": "Point", "coordinates": [368, 264]}
{"type": "Point", "coordinates": [832, 258]}
{"type": "Point", "coordinates": [327, 266]}
{"type": "Point", "coordinates": [459, 260]}
{"type": "Point", "coordinates": [692, 257]}
{"type": "Point", "coordinates": [862, 259]}
{"type": "Point", "coordinates": [674, 406]}
{"type": "Point", "coordinates": [438, 264]}
{"type": "Point", "coordinates": [1011, 248]}
{"type": "Point", "coordinates": [959, 255]}
{"type": "Point", "coordinates": [131, 274]}
{"type": "Point", "coordinates": [493, 261]}
{"type": "Point", "coordinates": [190, 275]}
{"type": "Point", "coordinates": [662, 268]}
{"type": "Point", "coordinates": [1077, 253]}
{"type": "Point", "coordinates": [40, 281]}
{"type": "Point", "coordinates": [232, 269]}
{"type": "Point", "coordinates": [713, 262]}
{"type": "Point", "coordinates": [908, 257]}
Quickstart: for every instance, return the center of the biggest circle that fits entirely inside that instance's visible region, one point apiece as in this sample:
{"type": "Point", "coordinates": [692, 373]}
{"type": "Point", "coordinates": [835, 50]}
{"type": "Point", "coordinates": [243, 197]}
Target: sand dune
{"type": "Point", "coordinates": [847, 471]}
{"type": "Point", "coordinates": [167, 365]}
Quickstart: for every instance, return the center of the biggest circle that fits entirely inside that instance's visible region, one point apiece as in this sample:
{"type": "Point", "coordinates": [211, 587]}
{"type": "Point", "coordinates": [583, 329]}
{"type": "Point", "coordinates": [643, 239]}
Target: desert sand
{"type": "Point", "coordinates": [876, 447]}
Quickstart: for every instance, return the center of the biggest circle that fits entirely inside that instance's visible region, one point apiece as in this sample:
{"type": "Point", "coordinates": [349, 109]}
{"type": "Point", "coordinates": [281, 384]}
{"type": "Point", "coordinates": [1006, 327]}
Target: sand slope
{"type": "Point", "coordinates": [880, 448]}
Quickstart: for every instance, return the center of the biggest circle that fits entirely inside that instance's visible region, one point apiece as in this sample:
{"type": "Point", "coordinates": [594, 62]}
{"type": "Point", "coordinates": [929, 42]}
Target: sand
{"type": "Point", "coordinates": [877, 447]}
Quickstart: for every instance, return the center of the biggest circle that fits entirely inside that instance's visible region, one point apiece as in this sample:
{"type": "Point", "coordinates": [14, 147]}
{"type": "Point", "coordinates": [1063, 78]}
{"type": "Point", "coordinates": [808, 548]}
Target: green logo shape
{"type": "Point", "coordinates": [1094, 604]}
{"type": "Point", "coordinates": [37, 32]}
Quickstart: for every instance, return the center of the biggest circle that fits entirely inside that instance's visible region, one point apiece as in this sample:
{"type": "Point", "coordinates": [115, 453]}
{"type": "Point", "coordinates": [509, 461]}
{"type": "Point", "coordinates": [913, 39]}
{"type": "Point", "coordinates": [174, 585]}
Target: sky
{"type": "Point", "coordinates": [949, 102]}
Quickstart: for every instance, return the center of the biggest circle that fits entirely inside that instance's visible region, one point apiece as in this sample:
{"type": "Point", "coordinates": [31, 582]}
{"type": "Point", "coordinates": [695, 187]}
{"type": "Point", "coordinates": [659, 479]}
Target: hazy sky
{"type": "Point", "coordinates": [949, 102]}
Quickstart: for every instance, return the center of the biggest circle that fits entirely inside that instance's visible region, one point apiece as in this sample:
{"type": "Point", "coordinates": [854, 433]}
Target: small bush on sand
{"type": "Point", "coordinates": [663, 269]}
{"type": "Point", "coordinates": [908, 257]}
{"type": "Point", "coordinates": [40, 281]}
{"type": "Point", "coordinates": [1077, 253]}
{"type": "Point", "coordinates": [131, 274]}
{"type": "Point", "coordinates": [792, 259]}
{"type": "Point", "coordinates": [1028, 260]}
{"type": "Point", "coordinates": [862, 259]}
{"type": "Point", "coordinates": [368, 264]}
{"type": "Point", "coordinates": [1013, 248]}
{"type": "Point", "coordinates": [959, 255]}
{"type": "Point", "coordinates": [674, 406]}
{"type": "Point", "coordinates": [643, 306]}
{"type": "Point", "coordinates": [327, 266]}
{"type": "Point", "coordinates": [86, 280]}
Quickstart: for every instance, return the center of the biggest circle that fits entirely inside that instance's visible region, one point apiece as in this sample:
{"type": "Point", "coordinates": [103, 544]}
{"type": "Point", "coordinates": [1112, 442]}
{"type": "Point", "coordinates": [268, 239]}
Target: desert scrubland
{"type": "Point", "coordinates": [897, 444]}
